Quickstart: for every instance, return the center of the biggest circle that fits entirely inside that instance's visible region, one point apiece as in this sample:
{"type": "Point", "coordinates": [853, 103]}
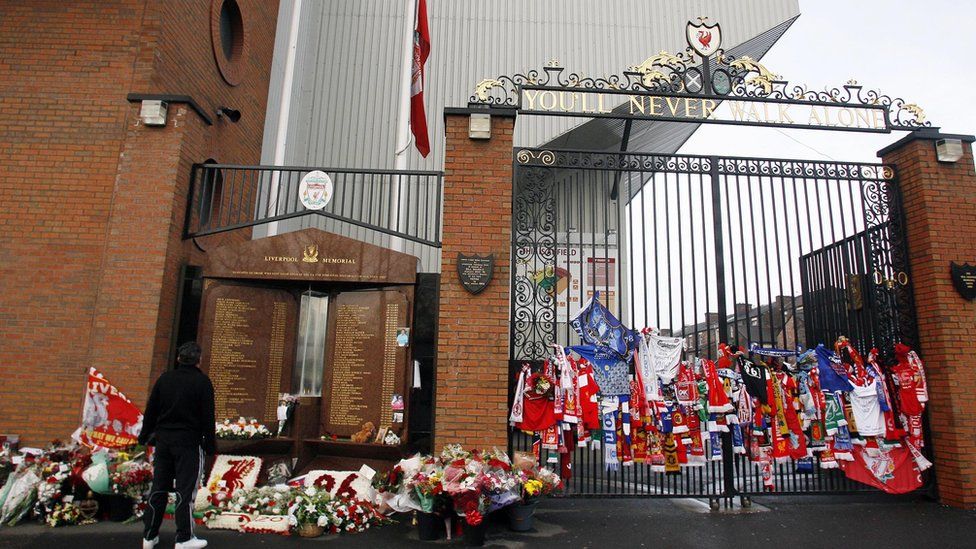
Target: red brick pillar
{"type": "Point", "coordinates": [471, 399]}
{"type": "Point", "coordinates": [940, 210]}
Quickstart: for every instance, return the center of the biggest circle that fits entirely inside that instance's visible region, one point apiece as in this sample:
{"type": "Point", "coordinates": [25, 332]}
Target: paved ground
{"type": "Point", "coordinates": [790, 523]}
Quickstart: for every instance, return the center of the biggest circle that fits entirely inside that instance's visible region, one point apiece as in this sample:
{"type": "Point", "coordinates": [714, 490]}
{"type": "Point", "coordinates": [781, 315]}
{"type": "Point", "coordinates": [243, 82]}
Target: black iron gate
{"type": "Point", "coordinates": [771, 252]}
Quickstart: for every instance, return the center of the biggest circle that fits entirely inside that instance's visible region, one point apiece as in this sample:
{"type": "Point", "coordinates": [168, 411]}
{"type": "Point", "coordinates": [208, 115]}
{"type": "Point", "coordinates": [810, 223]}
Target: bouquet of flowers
{"type": "Point", "coordinates": [539, 385]}
{"type": "Point", "coordinates": [64, 514]}
{"type": "Point", "coordinates": [6, 463]}
{"type": "Point", "coordinates": [19, 493]}
{"type": "Point", "coordinates": [427, 488]}
{"type": "Point", "coordinates": [308, 507]}
{"type": "Point", "coordinates": [132, 479]}
{"type": "Point", "coordinates": [464, 480]}
{"type": "Point", "coordinates": [349, 515]}
{"type": "Point", "coordinates": [267, 500]}
{"type": "Point", "coordinates": [391, 482]}
{"type": "Point", "coordinates": [537, 482]}
{"type": "Point", "coordinates": [454, 452]}
{"type": "Point", "coordinates": [501, 487]}
{"type": "Point", "coordinates": [50, 490]}
{"type": "Point", "coordinates": [242, 429]}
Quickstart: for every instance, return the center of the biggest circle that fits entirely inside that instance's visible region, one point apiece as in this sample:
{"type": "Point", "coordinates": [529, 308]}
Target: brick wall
{"type": "Point", "coordinates": [471, 398]}
{"type": "Point", "coordinates": [940, 207]}
{"type": "Point", "coordinates": [90, 244]}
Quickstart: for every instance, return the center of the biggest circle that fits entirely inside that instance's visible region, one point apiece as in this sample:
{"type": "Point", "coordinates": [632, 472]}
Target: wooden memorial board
{"type": "Point", "coordinates": [248, 340]}
{"type": "Point", "coordinates": [364, 367]}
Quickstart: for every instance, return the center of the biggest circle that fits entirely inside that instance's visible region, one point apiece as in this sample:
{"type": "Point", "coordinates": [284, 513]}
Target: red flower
{"type": "Point", "coordinates": [473, 517]}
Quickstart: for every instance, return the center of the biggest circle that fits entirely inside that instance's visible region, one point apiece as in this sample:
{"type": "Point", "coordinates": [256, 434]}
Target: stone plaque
{"type": "Point", "coordinates": [364, 366]}
{"type": "Point", "coordinates": [248, 340]}
{"type": "Point", "coordinates": [964, 279]}
{"type": "Point", "coordinates": [311, 255]}
{"type": "Point", "coordinates": [475, 271]}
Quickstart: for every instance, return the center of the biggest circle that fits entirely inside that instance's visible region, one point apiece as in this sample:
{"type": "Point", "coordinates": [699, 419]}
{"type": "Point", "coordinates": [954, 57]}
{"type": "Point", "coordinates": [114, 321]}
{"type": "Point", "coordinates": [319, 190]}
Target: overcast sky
{"type": "Point", "coordinates": [924, 52]}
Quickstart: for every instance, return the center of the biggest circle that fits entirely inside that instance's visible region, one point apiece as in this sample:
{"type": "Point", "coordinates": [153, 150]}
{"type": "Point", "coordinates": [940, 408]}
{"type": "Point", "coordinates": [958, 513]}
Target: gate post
{"type": "Point", "coordinates": [471, 396]}
{"type": "Point", "coordinates": [939, 201]}
{"type": "Point", "coordinates": [728, 463]}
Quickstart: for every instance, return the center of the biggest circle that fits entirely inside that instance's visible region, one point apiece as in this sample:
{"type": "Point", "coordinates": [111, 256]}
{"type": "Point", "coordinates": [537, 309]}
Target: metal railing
{"type": "Point", "coordinates": [400, 204]}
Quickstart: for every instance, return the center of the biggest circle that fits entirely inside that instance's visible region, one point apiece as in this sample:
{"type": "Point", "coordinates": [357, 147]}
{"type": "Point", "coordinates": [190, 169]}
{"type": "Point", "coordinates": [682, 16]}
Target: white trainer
{"type": "Point", "coordinates": [150, 543]}
{"type": "Point", "coordinates": [192, 543]}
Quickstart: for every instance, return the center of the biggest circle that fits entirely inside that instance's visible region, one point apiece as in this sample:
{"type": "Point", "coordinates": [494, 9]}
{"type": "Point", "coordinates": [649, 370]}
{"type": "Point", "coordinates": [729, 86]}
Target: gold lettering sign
{"type": "Point", "coordinates": [310, 258]}
{"type": "Point", "coordinates": [701, 109]}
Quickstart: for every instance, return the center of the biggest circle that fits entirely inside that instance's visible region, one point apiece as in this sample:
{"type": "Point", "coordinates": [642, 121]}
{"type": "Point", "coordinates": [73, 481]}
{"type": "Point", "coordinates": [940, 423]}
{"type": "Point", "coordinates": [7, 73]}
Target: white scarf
{"type": "Point", "coordinates": [518, 406]}
{"type": "Point", "coordinates": [665, 356]}
{"type": "Point", "coordinates": [645, 371]}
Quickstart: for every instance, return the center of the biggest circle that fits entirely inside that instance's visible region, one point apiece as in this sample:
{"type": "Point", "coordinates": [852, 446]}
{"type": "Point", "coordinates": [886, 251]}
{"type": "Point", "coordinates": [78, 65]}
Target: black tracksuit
{"type": "Point", "coordinates": [180, 418]}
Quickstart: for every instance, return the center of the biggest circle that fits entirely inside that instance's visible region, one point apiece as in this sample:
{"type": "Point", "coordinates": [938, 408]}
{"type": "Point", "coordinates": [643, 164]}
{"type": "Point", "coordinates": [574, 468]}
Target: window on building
{"type": "Point", "coordinates": [227, 39]}
{"type": "Point", "coordinates": [231, 29]}
{"type": "Point", "coordinates": [310, 353]}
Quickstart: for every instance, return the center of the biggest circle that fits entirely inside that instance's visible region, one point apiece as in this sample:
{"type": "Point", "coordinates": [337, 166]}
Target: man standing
{"type": "Point", "coordinates": [179, 420]}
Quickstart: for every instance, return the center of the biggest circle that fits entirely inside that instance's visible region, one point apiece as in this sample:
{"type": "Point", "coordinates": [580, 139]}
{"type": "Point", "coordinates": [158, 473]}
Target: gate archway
{"type": "Point", "coordinates": [770, 253]}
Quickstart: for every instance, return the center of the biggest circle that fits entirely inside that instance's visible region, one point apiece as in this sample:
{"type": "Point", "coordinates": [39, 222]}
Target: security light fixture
{"type": "Point", "coordinates": [231, 114]}
{"type": "Point", "coordinates": [153, 112]}
{"type": "Point", "coordinates": [479, 126]}
{"type": "Point", "coordinates": [948, 150]}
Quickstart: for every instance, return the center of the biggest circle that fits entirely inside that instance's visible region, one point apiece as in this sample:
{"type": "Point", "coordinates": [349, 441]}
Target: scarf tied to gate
{"type": "Point", "coordinates": [609, 414]}
{"type": "Point", "coordinates": [518, 405]}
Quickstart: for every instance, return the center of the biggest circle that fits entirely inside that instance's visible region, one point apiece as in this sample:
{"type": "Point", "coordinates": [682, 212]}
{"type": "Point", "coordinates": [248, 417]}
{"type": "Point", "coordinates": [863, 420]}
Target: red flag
{"type": "Point", "coordinates": [421, 49]}
{"type": "Point", "coordinates": [109, 420]}
{"type": "Point", "coordinates": [891, 470]}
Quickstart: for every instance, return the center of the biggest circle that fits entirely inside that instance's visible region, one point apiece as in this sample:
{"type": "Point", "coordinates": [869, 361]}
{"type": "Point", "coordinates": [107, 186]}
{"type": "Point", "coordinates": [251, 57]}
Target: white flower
{"type": "Point", "coordinates": [322, 521]}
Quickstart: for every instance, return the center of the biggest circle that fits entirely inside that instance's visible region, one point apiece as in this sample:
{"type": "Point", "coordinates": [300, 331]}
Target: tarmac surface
{"type": "Point", "coordinates": [771, 523]}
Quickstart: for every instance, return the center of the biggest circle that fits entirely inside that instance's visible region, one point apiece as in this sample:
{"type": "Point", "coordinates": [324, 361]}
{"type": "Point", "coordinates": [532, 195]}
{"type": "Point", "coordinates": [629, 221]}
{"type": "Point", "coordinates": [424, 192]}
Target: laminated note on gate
{"type": "Point", "coordinates": [597, 326]}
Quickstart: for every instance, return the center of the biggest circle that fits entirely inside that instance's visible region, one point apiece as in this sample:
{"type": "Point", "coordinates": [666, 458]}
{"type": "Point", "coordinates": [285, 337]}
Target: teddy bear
{"type": "Point", "coordinates": [365, 434]}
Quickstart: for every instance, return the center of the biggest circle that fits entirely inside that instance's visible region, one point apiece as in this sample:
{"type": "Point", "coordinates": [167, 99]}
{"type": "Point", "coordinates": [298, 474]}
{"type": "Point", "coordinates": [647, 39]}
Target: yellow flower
{"type": "Point", "coordinates": [533, 487]}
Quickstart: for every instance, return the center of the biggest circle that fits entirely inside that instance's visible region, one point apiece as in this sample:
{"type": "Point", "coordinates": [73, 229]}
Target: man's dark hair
{"type": "Point", "coordinates": [188, 353]}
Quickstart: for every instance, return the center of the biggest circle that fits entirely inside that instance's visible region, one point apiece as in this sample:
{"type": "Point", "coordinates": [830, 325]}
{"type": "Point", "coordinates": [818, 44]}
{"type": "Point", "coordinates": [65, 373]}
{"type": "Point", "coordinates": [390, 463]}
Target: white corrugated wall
{"type": "Point", "coordinates": [345, 104]}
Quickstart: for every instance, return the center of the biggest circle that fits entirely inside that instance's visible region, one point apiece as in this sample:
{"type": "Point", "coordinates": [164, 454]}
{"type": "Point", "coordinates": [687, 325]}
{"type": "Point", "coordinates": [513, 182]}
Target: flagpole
{"type": "Point", "coordinates": [284, 109]}
{"type": "Point", "coordinates": [402, 138]}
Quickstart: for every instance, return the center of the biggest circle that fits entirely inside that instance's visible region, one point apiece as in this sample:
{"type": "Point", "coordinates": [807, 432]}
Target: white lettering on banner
{"type": "Point", "coordinates": [700, 109]}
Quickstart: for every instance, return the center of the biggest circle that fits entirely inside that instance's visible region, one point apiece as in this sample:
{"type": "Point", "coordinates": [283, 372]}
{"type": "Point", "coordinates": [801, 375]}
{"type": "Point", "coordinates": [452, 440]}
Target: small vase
{"type": "Point", "coordinates": [310, 530]}
{"type": "Point", "coordinates": [430, 526]}
{"type": "Point", "coordinates": [474, 536]}
{"type": "Point", "coordinates": [520, 516]}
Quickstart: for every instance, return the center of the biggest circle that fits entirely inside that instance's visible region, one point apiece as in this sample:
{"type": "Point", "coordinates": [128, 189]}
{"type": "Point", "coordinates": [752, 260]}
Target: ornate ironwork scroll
{"type": "Point", "coordinates": [708, 80]}
{"type": "Point", "coordinates": [533, 316]}
{"type": "Point", "coordinates": [891, 284]}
